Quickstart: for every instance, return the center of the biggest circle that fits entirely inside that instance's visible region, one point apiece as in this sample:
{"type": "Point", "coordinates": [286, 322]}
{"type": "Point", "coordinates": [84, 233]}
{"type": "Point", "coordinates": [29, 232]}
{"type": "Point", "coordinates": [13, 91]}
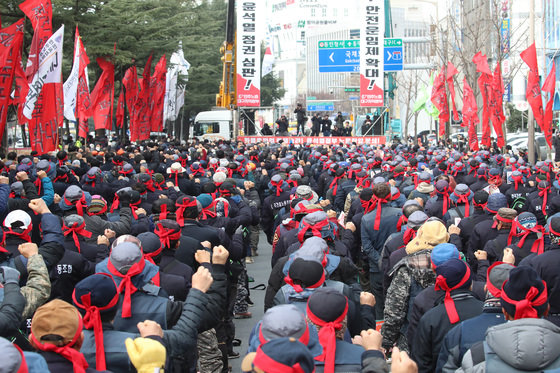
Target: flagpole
{"type": "Point", "coordinates": [531, 122]}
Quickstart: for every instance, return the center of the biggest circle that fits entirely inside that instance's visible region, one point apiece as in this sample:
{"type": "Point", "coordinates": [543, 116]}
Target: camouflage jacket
{"type": "Point", "coordinates": [412, 274]}
{"type": "Point", "coordinates": [38, 287]}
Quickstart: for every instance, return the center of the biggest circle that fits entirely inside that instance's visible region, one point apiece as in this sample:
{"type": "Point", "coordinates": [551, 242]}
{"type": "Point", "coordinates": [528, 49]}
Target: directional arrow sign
{"type": "Point", "coordinates": [331, 57]}
{"type": "Point", "coordinates": [339, 60]}
{"type": "Point", "coordinates": [393, 58]}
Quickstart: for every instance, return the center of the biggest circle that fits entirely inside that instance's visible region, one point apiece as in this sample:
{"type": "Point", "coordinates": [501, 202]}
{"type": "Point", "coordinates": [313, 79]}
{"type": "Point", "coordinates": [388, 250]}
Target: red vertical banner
{"type": "Point", "coordinates": [248, 55]}
{"type": "Point", "coordinates": [120, 109]}
{"type": "Point", "coordinates": [11, 39]}
{"type": "Point", "coordinates": [470, 114]}
{"type": "Point", "coordinates": [130, 83]}
{"type": "Point", "coordinates": [439, 99]}
{"type": "Point", "coordinates": [485, 86]}
{"type": "Point", "coordinates": [157, 85]}
{"type": "Point", "coordinates": [452, 71]}
{"type": "Point", "coordinates": [47, 112]}
{"type": "Point", "coordinates": [496, 105]}
{"type": "Point", "coordinates": [372, 31]}
{"type": "Point", "coordinates": [550, 87]}
{"type": "Point", "coordinates": [140, 128]}
{"type": "Point", "coordinates": [533, 93]}
{"type": "Point", "coordinates": [102, 96]}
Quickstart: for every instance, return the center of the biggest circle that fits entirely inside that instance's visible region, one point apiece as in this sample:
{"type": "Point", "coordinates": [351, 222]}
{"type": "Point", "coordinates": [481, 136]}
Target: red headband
{"type": "Point", "coordinates": [79, 204]}
{"type": "Point", "coordinates": [543, 192]}
{"type": "Point", "coordinates": [23, 235]}
{"type": "Point", "coordinates": [278, 185]}
{"type": "Point", "coordinates": [445, 194]}
{"type": "Point", "coordinates": [524, 307]}
{"type": "Point", "coordinates": [126, 284]}
{"type": "Point", "coordinates": [315, 229]}
{"type": "Point", "coordinates": [441, 284]}
{"type": "Point", "coordinates": [92, 320]}
{"type": "Point", "coordinates": [489, 285]}
{"type": "Point", "coordinates": [538, 245]}
{"type": "Point", "coordinates": [298, 288]}
{"type": "Point", "coordinates": [76, 230]}
{"type": "Point", "coordinates": [265, 362]}
{"type": "Point", "coordinates": [376, 204]}
{"type": "Point", "coordinates": [464, 198]}
{"type": "Point", "coordinates": [303, 339]}
{"type": "Point", "coordinates": [327, 337]}
{"type": "Point", "coordinates": [163, 212]}
{"type": "Point", "coordinates": [181, 207]}
{"type": "Point", "coordinates": [167, 235]}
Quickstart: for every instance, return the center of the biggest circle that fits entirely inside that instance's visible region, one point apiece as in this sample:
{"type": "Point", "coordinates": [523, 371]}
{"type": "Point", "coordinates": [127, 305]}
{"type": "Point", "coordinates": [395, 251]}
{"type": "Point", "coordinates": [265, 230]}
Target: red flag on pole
{"type": "Point", "coordinates": [470, 115]}
{"type": "Point", "coordinates": [10, 59]}
{"type": "Point", "coordinates": [439, 99]}
{"type": "Point", "coordinates": [48, 112]}
{"type": "Point", "coordinates": [485, 86]}
{"type": "Point", "coordinates": [102, 96]}
{"type": "Point", "coordinates": [157, 85]}
{"type": "Point", "coordinates": [130, 82]}
{"type": "Point", "coordinates": [83, 98]}
{"type": "Point", "coordinates": [142, 109]}
{"type": "Point", "coordinates": [550, 87]}
{"type": "Point", "coordinates": [451, 71]}
{"type": "Point", "coordinates": [534, 97]}
{"type": "Point", "coordinates": [496, 105]}
{"type": "Point", "coordinates": [120, 108]}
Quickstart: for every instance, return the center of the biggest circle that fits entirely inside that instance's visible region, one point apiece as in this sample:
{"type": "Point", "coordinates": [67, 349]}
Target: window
{"type": "Point", "coordinates": [313, 12]}
{"type": "Point", "coordinates": [324, 11]}
{"type": "Point", "coordinates": [202, 128]}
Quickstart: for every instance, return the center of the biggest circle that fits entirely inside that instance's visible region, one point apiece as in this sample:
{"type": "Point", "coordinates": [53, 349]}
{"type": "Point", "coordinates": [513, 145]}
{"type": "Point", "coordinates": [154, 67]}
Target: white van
{"type": "Point", "coordinates": [213, 125]}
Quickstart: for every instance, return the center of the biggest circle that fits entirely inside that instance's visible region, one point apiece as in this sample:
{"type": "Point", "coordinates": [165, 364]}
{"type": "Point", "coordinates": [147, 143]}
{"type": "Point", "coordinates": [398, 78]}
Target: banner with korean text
{"type": "Point", "coordinates": [372, 31]}
{"type": "Point", "coordinates": [359, 140]}
{"type": "Point", "coordinates": [248, 55]}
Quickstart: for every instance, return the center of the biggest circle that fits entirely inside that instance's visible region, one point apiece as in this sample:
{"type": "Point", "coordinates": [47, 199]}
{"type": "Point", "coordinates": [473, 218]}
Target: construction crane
{"type": "Point", "coordinates": [226, 97]}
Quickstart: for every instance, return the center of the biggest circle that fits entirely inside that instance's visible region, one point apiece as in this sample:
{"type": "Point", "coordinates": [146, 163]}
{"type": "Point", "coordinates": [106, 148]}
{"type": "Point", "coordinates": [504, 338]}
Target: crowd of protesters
{"type": "Point", "coordinates": [133, 257]}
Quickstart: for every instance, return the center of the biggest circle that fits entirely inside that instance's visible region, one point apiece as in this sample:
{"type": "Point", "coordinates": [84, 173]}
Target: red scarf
{"type": "Point", "coordinates": [38, 184]}
{"type": "Point", "coordinates": [376, 204]}
{"type": "Point", "coordinates": [176, 173]}
{"type": "Point", "coordinates": [134, 207]}
{"type": "Point", "coordinates": [408, 235]}
{"type": "Point", "coordinates": [80, 204]}
{"type": "Point", "coordinates": [543, 192]}
{"type": "Point", "coordinates": [538, 245]}
{"type": "Point", "coordinates": [92, 320]}
{"type": "Point", "coordinates": [181, 210]}
{"type": "Point", "coordinates": [517, 180]}
{"type": "Point", "coordinates": [92, 179]}
{"type": "Point", "coordinates": [327, 337]}
{"type": "Point", "coordinates": [163, 212]}
{"type": "Point", "coordinates": [441, 284]}
{"type": "Point", "coordinates": [464, 198]}
{"type": "Point", "coordinates": [23, 235]}
{"type": "Point", "coordinates": [210, 210]}
{"type": "Point", "coordinates": [524, 308]}
{"type": "Point", "coordinates": [334, 184]}
{"type": "Point", "coordinates": [489, 285]}
{"type": "Point", "coordinates": [278, 186]}
{"type": "Point", "coordinates": [445, 194]}
{"type": "Point", "coordinates": [79, 363]}
{"type": "Point", "coordinates": [315, 229]}
{"type": "Point", "coordinates": [126, 284]}
{"type": "Point", "coordinates": [166, 235]}
{"type": "Point", "coordinates": [61, 161]}
{"type": "Point", "coordinates": [402, 220]}
{"type": "Point", "coordinates": [150, 258]}
{"type": "Point", "coordinates": [512, 231]}
{"type": "Point", "coordinates": [199, 170]}
{"type": "Point", "coordinates": [292, 183]}
{"type": "Point", "coordinates": [76, 230]}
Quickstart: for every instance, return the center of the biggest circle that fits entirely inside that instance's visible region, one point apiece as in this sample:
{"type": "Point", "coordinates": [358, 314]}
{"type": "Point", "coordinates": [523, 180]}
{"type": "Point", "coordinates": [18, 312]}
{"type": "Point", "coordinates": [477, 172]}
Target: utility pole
{"type": "Point", "coordinates": [531, 120]}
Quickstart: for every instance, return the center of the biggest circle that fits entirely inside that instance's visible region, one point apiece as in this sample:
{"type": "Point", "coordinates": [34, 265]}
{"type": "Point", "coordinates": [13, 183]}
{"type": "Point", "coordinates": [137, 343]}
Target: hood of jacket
{"type": "Point", "coordinates": [526, 344]}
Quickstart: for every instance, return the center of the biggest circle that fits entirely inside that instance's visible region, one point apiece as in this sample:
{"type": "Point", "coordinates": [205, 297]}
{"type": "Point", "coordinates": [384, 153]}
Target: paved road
{"type": "Point", "coordinates": [260, 271]}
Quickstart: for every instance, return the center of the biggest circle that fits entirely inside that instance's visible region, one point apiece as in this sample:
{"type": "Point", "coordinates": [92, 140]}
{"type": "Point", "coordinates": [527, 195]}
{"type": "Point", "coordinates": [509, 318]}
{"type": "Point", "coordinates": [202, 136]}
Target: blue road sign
{"type": "Point", "coordinates": [393, 55]}
{"type": "Point", "coordinates": [321, 106]}
{"type": "Point", "coordinates": [334, 60]}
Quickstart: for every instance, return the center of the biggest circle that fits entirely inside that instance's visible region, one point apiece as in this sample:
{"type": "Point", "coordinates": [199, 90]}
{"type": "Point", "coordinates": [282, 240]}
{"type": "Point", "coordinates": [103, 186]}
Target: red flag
{"type": "Point", "coordinates": [157, 85]}
{"type": "Point", "coordinates": [550, 87]}
{"type": "Point", "coordinates": [481, 63]}
{"type": "Point", "coordinates": [48, 111]}
{"type": "Point", "coordinates": [439, 99]}
{"type": "Point", "coordinates": [130, 83]}
{"type": "Point", "coordinates": [496, 105]}
{"type": "Point", "coordinates": [102, 96]}
{"type": "Point", "coordinates": [470, 116]}
{"type": "Point", "coordinates": [534, 97]}
{"type": "Point", "coordinates": [120, 109]}
{"type": "Point", "coordinates": [451, 71]}
{"type": "Point", "coordinates": [83, 98]}
{"type": "Point", "coordinates": [142, 109]}
{"type": "Point", "coordinates": [11, 39]}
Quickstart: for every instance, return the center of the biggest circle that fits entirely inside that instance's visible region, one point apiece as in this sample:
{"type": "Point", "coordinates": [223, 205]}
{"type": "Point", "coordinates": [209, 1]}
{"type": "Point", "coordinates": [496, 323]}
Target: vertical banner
{"type": "Point", "coordinates": [372, 31]}
{"type": "Point", "coordinates": [248, 55]}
